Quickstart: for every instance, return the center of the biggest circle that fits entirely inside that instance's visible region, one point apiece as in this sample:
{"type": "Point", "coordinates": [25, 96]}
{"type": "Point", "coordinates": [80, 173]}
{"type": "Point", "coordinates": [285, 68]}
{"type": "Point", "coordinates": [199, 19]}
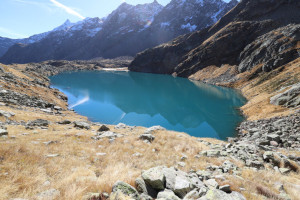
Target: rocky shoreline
{"type": "Point", "coordinates": [269, 144]}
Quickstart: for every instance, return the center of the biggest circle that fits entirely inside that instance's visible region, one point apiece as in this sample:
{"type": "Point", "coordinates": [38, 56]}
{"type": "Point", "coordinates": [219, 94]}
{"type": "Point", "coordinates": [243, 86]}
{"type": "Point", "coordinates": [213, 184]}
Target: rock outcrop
{"type": "Point", "coordinates": [173, 184]}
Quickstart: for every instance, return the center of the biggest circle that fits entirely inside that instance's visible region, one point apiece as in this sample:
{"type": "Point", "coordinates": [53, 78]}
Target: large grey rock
{"type": "Point", "coordinates": [289, 98]}
{"type": "Point", "coordinates": [6, 114]}
{"type": "Point", "coordinates": [39, 123]}
{"type": "Point", "coordinates": [177, 181]}
{"type": "Point", "coordinates": [107, 134]}
{"type": "Point", "coordinates": [143, 188]}
{"type": "Point", "coordinates": [211, 183]}
{"type": "Point", "coordinates": [273, 137]}
{"type": "Point", "coordinates": [155, 178]}
{"type": "Point", "coordinates": [83, 125]}
{"type": "Point", "coordinates": [126, 189]}
{"type": "Point", "coordinates": [167, 195]}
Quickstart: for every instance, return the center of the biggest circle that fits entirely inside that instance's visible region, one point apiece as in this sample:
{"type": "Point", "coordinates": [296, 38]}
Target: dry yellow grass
{"type": "Point", "coordinates": [25, 169]}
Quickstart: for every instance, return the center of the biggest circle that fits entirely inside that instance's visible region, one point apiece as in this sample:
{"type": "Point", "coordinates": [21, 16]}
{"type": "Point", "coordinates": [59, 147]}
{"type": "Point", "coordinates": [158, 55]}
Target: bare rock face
{"type": "Point", "coordinates": [245, 36]}
{"type": "Point", "coordinates": [272, 50]}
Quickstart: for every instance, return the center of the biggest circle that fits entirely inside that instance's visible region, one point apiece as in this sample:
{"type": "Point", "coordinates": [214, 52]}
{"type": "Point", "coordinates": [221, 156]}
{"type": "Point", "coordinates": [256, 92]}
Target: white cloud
{"type": "Point", "coordinates": [67, 9]}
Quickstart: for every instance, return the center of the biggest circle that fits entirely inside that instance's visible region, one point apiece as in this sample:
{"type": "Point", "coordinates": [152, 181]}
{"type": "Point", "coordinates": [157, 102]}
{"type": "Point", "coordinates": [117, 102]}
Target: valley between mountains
{"type": "Point", "coordinates": [50, 152]}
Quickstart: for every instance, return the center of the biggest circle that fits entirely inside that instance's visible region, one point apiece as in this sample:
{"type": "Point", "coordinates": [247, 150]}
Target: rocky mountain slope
{"type": "Point", "coordinates": [241, 37]}
{"type": "Point", "coordinates": [6, 43]}
{"type": "Point", "coordinates": [144, 26]}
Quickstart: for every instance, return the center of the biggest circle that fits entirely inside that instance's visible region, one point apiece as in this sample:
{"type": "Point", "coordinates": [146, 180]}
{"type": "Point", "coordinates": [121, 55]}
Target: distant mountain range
{"type": "Point", "coordinates": [126, 31]}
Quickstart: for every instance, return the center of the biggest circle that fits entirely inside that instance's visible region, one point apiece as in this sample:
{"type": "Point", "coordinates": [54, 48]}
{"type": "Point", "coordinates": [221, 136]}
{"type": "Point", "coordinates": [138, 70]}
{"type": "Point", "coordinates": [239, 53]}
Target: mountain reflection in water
{"type": "Point", "coordinates": [141, 99]}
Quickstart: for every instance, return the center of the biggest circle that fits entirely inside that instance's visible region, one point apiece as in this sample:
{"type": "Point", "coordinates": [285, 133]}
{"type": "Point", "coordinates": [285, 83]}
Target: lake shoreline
{"type": "Point", "coordinates": [40, 130]}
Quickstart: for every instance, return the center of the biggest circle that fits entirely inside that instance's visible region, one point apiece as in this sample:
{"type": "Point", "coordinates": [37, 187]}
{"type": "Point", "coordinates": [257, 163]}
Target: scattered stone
{"type": "Point", "coordinates": [82, 125]}
{"type": "Point", "coordinates": [147, 137]}
{"type": "Point", "coordinates": [65, 122]}
{"type": "Point", "coordinates": [50, 142]}
{"type": "Point", "coordinates": [103, 128]}
{"type": "Point", "coordinates": [183, 157]}
{"type": "Point", "coordinates": [52, 155]}
{"type": "Point", "coordinates": [39, 123]}
{"type": "Point", "coordinates": [153, 129]}
{"type": "Point", "coordinates": [100, 154]}
{"type": "Point", "coordinates": [120, 126]}
{"type": "Point", "coordinates": [213, 153]}
{"type": "Point", "coordinates": [6, 114]}
{"type": "Point", "coordinates": [284, 170]}
{"type": "Point", "coordinates": [107, 134]}
{"type": "Point", "coordinates": [3, 132]}
{"type": "Point", "coordinates": [181, 164]}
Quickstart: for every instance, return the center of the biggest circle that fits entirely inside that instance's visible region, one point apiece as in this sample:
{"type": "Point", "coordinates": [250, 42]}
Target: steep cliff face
{"type": "Point", "coordinates": [232, 40]}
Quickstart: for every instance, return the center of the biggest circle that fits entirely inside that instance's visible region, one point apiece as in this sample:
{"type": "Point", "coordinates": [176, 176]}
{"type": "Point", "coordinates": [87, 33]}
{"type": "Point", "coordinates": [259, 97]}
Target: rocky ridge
{"type": "Point", "coordinates": [247, 36]}
{"type": "Point", "coordinates": [145, 25]}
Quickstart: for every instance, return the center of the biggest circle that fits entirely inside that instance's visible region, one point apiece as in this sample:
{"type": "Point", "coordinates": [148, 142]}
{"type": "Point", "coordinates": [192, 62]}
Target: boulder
{"type": "Point", "coordinates": [167, 195]}
{"type": "Point", "coordinates": [273, 137]}
{"type": "Point", "coordinates": [213, 153]}
{"type": "Point", "coordinates": [39, 123]}
{"type": "Point", "coordinates": [211, 183]}
{"type": "Point", "coordinates": [143, 188]}
{"type": "Point", "coordinates": [177, 181]}
{"type": "Point", "coordinates": [125, 189]}
{"type": "Point", "coordinates": [64, 122]}
{"type": "Point", "coordinates": [289, 98]}
{"type": "Point", "coordinates": [103, 128]}
{"type": "Point", "coordinates": [6, 114]}
{"type": "Point", "coordinates": [225, 188]}
{"type": "Point", "coordinates": [120, 126]}
{"type": "Point", "coordinates": [107, 134]}
{"type": "Point", "coordinates": [155, 177]}
{"type": "Point", "coordinates": [82, 125]}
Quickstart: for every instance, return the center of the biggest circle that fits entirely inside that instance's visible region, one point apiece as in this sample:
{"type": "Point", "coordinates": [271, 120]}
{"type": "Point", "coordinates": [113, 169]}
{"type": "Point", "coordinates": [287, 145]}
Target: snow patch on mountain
{"type": "Point", "coordinates": [189, 27]}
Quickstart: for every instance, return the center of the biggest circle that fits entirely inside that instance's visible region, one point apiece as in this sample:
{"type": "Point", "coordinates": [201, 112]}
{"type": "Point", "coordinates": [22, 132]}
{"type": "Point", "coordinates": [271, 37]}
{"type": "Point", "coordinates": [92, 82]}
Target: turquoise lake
{"type": "Point", "coordinates": [143, 99]}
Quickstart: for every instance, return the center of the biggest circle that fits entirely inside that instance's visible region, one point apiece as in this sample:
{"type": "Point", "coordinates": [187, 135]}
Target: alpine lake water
{"type": "Point", "coordinates": [142, 99]}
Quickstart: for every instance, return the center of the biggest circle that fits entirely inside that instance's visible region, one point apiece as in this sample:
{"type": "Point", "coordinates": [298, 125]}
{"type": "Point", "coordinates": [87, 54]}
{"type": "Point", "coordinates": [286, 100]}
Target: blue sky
{"type": "Point", "coordinates": [23, 18]}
